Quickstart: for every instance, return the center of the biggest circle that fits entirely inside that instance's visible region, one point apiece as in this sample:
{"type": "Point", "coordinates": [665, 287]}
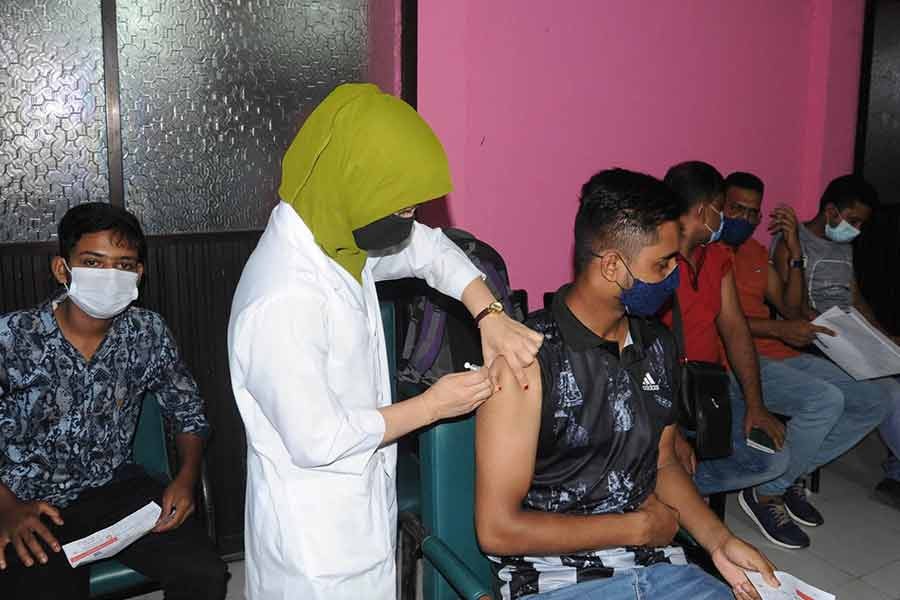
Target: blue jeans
{"type": "Point", "coordinates": [830, 412]}
{"type": "Point", "coordinates": [657, 582]}
{"type": "Point", "coordinates": [890, 427]}
{"type": "Point", "coordinates": [745, 467]}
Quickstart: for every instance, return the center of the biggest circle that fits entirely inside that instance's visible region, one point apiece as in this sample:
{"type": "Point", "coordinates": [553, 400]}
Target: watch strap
{"type": "Point", "coordinates": [493, 307]}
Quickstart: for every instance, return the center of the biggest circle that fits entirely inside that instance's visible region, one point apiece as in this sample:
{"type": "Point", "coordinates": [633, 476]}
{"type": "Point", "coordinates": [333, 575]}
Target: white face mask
{"type": "Point", "coordinates": [102, 293]}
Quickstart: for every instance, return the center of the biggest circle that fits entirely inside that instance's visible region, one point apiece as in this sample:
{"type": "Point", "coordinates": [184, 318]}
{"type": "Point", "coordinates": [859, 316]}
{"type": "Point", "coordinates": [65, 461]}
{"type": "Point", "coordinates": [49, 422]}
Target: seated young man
{"type": "Point", "coordinates": [73, 375]}
{"type": "Point", "coordinates": [826, 258]}
{"type": "Point", "coordinates": [713, 320]}
{"type": "Point", "coordinates": [830, 411]}
{"type": "Point", "coordinates": [578, 490]}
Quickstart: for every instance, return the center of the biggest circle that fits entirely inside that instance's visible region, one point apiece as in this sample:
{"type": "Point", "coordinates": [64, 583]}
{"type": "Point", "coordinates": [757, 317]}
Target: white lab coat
{"type": "Point", "coordinates": [309, 370]}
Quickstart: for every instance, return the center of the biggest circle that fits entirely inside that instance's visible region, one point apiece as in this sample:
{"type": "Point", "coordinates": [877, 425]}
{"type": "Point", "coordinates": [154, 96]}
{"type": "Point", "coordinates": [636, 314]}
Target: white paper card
{"type": "Point", "coordinates": [791, 588]}
{"type": "Point", "coordinates": [858, 348]}
{"type": "Point", "coordinates": [108, 542]}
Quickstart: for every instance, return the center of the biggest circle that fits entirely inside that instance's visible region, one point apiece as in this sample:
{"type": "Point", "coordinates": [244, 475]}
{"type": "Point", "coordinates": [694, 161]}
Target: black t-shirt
{"type": "Point", "coordinates": [602, 415]}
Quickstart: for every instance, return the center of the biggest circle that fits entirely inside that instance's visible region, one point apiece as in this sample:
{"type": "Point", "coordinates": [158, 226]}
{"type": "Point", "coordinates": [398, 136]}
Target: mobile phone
{"type": "Point", "coordinates": [760, 440]}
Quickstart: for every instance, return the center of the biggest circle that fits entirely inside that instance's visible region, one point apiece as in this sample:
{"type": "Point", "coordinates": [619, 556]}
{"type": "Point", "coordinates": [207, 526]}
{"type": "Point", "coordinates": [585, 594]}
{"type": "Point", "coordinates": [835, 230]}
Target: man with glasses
{"type": "Point", "coordinates": [829, 411]}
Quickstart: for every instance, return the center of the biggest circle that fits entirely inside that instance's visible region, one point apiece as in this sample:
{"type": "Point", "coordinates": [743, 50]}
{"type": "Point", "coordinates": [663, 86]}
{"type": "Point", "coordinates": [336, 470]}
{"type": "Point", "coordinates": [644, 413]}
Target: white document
{"type": "Point", "coordinates": [858, 348]}
{"type": "Point", "coordinates": [791, 588]}
{"type": "Point", "coordinates": [108, 542]}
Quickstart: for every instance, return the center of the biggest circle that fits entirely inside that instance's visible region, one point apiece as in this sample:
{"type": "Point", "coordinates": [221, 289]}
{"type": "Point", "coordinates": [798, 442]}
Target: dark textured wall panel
{"type": "Point", "coordinates": [189, 280]}
{"type": "Point", "coordinates": [882, 144]}
{"type": "Point", "coordinates": [212, 93]}
{"type": "Point", "coordinates": [52, 119]}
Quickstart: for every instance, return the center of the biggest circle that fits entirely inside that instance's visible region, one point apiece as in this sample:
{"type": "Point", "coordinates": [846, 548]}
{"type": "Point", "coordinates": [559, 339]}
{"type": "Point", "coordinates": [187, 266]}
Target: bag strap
{"type": "Point", "coordinates": [430, 338]}
{"type": "Point", "coordinates": [678, 330]}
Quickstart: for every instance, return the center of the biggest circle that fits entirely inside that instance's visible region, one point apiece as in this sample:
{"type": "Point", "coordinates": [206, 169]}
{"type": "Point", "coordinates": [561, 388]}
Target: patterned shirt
{"type": "Point", "coordinates": [602, 415]}
{"type": "Point", "coordinates": [67, 424]}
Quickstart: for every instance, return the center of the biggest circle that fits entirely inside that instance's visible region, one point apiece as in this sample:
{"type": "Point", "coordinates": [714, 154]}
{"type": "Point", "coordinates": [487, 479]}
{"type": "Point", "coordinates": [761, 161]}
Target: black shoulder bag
{"type": "Point", "coordinates": [704, 405]}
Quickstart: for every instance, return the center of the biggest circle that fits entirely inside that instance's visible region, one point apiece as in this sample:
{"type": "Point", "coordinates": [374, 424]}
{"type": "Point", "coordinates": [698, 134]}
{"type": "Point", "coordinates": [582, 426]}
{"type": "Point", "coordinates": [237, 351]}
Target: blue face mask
{"type": "Point", "coordinates": [644, 299]}
{"type": "Point", "coordinates": [737, 231]}
{"type": "Point", "coordinates": [716, 233]}
{"type": "Point", "coordinates": [842, 233]}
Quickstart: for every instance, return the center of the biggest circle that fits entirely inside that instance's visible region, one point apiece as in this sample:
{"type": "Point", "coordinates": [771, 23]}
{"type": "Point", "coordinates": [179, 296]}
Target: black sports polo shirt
{"type": "Point", "coordinates": [602, 415]}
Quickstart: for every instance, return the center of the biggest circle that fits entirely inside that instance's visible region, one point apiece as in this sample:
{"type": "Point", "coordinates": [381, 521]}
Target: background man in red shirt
{"type": "Point", "coordinates": [713, 321]}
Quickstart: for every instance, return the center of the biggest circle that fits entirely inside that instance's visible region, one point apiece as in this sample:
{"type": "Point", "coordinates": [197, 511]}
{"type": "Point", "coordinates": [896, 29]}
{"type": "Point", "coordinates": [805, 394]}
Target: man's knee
{"type": "Point", "coordinates": [824, 402]}
{"type": "Point", "coordinates": [686, 581]}
{"type": "Point", "coordinates": [55, 579]}
{"type": "Point", "coordinates": [775, 465]}
{"type": "Point", "coordinates": [203, 576]}
{"type": "Point", "coordinates": [872, 403]}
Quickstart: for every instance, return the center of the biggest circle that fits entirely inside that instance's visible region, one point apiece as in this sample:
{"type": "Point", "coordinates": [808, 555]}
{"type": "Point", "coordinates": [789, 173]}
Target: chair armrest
{"type": "Point", "coordinates": [206, 501]}
{"type": "Point", "coordinates": [454, 570]}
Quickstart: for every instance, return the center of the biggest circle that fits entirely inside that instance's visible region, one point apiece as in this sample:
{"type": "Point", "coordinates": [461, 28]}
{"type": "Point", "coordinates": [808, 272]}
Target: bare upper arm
{"type": "Point", "coordinates": [506, 437]}
{"type": "Point", "coordinates": [731, 305]}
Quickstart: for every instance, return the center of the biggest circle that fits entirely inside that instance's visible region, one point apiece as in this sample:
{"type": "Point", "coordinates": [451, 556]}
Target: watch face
{"type": "Point", "coordinates": [496, 306]}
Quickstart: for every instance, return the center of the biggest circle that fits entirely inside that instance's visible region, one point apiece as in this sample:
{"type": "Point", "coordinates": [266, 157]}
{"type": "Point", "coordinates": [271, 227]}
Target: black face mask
{"type": "Point", "coordinates": [383, 233]}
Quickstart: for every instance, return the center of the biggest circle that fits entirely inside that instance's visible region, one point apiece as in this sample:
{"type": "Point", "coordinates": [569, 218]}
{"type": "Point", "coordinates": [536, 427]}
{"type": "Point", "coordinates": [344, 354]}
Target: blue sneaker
{"type": "Point", "coordinates": [773, 521]}
{"type": "Point", "coordinates": [798, 507]}
{"type": "Point", "coordinates": [888, 491]}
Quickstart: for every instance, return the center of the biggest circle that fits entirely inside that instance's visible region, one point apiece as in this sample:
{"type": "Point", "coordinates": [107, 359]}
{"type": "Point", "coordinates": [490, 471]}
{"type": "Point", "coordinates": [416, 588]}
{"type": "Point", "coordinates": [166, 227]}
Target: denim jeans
{"type": "Point", "coordinates": [890, 427]}
{"type": "Point", "coordinates": [657, 582]}
{"type": "Point", "coordinates": [830, 412]}
{"type": "Point", "coordinates": [746, 467]}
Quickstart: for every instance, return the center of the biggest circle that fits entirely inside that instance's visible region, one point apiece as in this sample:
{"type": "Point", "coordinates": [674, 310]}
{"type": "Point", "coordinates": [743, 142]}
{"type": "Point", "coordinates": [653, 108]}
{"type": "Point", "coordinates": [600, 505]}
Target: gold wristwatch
{"type": "Point", "coordinates": [494, 307]}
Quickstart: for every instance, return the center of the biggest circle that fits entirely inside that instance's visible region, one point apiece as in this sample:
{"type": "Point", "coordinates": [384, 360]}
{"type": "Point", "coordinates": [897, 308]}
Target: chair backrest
{"type": "Point", "coordinates": [389, 322]}
{"type": "Point", "coordinates": [447, 452]}
{"type": "Point", "coordinates": [150, 440]}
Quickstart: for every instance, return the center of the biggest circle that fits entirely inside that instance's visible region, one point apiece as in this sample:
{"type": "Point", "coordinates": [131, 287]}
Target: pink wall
{"type": "Point", "coordinates": [384, 44]}
{"type": "Point", "coordinates": [531, 98]}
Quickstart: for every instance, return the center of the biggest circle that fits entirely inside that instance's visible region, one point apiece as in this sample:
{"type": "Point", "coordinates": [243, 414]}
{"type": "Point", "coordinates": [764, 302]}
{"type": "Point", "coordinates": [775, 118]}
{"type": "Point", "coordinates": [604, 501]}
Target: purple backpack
{"type": "Point", "coordinates": [440, 335]}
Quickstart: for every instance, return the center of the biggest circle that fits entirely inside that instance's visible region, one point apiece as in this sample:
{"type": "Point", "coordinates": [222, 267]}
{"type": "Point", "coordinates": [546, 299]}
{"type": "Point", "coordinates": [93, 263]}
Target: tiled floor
{"type": "Point", "coordinates": [855, 555]}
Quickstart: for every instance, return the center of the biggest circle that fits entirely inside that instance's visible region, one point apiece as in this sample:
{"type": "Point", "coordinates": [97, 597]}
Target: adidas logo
{"type": "Point", "coordinates": [649, 385]}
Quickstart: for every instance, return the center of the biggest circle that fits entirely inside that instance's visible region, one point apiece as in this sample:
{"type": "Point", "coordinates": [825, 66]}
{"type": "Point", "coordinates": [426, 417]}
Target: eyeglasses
{"type": "Point", "coordinates": [739, 211]}
{"type": "Point", "coordinates": [407, 213]}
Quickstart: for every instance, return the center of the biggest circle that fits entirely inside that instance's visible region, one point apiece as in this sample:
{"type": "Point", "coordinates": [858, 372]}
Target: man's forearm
{"type": "Point", "coordinates": [7, 498]}
{"type": "Point", "coordinates": [675, 488]}
{"type": "Point", "coordinates": [793, 293]}
{"type": "Point", "coordinates": [537, 533]}
{"type": "Point", "coordinates": [742, 358]}
{"type": "Point", "coordinates": [763, 328]}
{"type": "Point", "coordinates": [190, 456]}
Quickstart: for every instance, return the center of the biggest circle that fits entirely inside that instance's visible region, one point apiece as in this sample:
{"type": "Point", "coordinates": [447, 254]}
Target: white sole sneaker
{"type": "Point", "coordinates": [752, 515]}
{"type": "Point", "coordinates": [798, 520]}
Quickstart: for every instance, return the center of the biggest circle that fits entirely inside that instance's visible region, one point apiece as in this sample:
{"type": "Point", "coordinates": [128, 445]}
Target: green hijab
{"type": "Point", "coordinates": [359, 157]}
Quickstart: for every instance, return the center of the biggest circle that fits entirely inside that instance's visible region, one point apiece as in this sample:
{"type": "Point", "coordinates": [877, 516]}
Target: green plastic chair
{"type": "Point", "coordinates": [435, 501]}
{"type": "Point", "coordinates": [407, 461]}
{"type": "Point", "coordinates": [110, 578]}
{"type": "Point", "coordinates": [455, 566]}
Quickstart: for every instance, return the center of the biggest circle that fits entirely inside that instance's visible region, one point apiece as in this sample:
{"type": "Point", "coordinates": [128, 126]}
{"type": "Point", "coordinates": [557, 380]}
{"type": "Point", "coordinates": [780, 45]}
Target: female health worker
{"type": "Point", "coordinates": [307, 351]}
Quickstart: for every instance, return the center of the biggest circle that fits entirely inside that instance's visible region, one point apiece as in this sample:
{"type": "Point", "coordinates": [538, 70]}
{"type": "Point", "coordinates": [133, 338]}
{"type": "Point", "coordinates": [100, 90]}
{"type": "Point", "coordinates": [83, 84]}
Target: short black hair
{"type": "Point", "coordinates": [92, 217]}
{"type": "Point", "coordinates": [621, 210]}
{"type": "Point", "coordinates": [695, 181]}
{"type": "Point", "coordinates": [745, 181]}
{"type": "Point", "coordinates": [847, 190]}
